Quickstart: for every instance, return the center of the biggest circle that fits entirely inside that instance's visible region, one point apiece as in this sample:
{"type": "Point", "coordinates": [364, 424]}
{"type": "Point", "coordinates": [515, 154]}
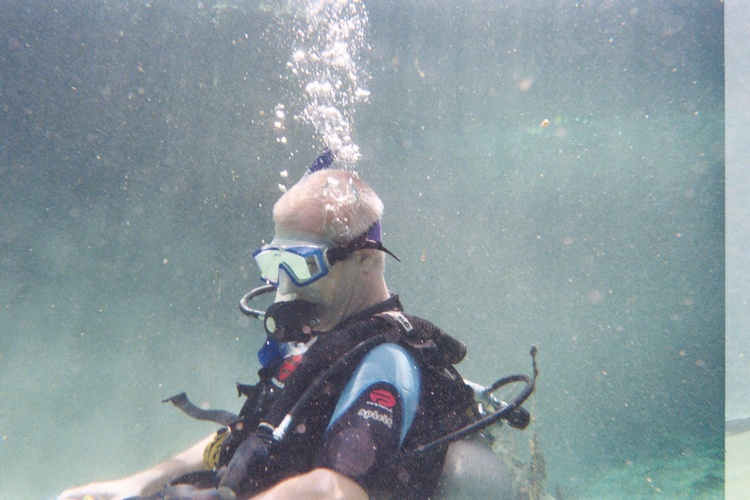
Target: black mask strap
{"type": "Point", "coordinates": [342, 252]}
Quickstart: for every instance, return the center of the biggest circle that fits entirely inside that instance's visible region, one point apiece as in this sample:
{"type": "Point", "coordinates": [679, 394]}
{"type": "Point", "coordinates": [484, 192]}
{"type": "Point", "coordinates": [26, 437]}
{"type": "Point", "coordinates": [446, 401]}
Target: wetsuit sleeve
{"type": "Point", "coordinates": [372, 417]}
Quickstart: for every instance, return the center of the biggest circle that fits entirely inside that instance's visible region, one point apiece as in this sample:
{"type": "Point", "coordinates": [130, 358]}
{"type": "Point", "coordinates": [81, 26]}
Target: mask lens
{"type": "Point", "coordinates": [303, 264]}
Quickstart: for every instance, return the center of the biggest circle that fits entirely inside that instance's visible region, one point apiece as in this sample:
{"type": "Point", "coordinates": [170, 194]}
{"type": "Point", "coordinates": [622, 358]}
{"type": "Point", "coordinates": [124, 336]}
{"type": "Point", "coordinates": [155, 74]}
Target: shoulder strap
{"type": "Point", "coordinates": [398, 319]}
{"type": "Point", "coordinates": [422, 334]}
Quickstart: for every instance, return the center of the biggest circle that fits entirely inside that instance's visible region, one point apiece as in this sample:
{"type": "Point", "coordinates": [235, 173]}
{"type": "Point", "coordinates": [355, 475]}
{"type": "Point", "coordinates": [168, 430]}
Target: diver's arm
{"type": "Point", "coordinates": [316, 484]}
{"type": "Point", "coordinates": [144, 482]}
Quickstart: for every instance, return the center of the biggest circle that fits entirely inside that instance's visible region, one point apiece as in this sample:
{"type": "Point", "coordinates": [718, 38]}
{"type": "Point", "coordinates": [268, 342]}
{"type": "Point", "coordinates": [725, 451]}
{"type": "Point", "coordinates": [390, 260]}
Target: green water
{"type": "Point", "coordinates": [139, 163]}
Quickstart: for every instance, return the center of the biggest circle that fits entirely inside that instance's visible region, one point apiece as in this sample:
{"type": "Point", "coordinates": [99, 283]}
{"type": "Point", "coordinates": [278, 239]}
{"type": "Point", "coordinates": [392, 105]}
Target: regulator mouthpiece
{"type": "Point", "coordinates": [291, 321]}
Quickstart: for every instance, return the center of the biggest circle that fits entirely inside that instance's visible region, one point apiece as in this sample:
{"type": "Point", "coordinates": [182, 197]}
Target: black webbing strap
{"type": "Point", "coordinates": [222, 417]}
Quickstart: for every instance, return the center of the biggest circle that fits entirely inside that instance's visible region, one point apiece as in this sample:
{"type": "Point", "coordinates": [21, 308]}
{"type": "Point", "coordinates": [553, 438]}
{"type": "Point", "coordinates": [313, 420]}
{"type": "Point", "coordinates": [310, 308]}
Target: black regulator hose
{"type": "Point", "coordinates": [508, 412]}
{"type": "Point", "coordinates": [342, 363]}
{"type": "Point", "coordinates": [245, 301]}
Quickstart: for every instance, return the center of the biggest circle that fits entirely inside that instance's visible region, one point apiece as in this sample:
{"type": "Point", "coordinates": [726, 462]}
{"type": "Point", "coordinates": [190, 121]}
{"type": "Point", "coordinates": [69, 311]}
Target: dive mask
{"type": "Point", "coordinates": [303, 264]}
{"type": "Point", "coordinates": [307, 263]}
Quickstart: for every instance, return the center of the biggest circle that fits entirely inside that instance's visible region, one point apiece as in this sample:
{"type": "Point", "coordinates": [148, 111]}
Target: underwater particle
{"type": "Point", "coordinates": [419, 71]}
{"type": "Point", "coordinates": [423, 258]}
{"type": "Point", "coordinates": [284, 174]}
{"type": "Point", "coordinates": [682, 352]}
{"type": "Point", "coordinates": [700, 363]}
{"type": "Point", "coordinates": [525, 84]}
{"type": "Point", "coordinates": [544, 123]}
{"type": "Point", "coordinates": [165, 261]}
{"type": "Point", "coordinates": [282, 188]}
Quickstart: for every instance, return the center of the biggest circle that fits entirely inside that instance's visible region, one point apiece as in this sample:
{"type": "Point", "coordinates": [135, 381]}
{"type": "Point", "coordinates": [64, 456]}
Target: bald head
{"type": "Point", "coordinates": [335, 205]}
{"type": "Point", "coordinates": [332, 208]}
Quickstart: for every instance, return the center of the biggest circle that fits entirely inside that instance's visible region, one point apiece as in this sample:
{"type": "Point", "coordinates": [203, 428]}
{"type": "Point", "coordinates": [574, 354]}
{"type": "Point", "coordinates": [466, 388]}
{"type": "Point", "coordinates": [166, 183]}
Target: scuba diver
{"type": "Point", "coordinates": [355, 398]}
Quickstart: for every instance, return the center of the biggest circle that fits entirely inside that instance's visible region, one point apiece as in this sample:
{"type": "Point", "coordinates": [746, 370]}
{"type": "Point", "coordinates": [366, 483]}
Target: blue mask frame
{"type": "Point", "coordinates": [303, 264]}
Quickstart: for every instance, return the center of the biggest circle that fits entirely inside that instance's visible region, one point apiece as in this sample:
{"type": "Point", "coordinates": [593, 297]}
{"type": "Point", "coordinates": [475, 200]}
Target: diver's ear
{"type": "Point", "coordinates": [371, 261]}
{"type": "Point", "coordinates": [366, 255]}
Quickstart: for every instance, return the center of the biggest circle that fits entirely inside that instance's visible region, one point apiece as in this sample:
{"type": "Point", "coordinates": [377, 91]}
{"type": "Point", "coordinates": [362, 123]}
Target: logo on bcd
{"type": "Point", "coordinates": [383, 397]}
{"type": "Point", "coordinates": [374, 415]}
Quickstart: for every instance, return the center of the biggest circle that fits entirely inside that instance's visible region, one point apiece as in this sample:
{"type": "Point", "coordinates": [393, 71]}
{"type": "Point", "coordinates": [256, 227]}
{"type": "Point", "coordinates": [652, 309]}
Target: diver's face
{"type": "Point", "coordinates": [332, 293]}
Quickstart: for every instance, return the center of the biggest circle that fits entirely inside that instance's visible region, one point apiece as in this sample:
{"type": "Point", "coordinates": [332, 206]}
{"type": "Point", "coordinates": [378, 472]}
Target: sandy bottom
{"type": "Point", "coordinates": [696, 474]}
{"type": "Point", "coordinates": [737, 469]}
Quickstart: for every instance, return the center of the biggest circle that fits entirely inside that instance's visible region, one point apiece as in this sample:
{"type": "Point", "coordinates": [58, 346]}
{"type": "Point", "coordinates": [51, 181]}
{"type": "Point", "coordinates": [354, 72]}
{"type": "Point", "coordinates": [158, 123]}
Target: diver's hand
{"type": "Point", "coordinates": [105, 490]}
